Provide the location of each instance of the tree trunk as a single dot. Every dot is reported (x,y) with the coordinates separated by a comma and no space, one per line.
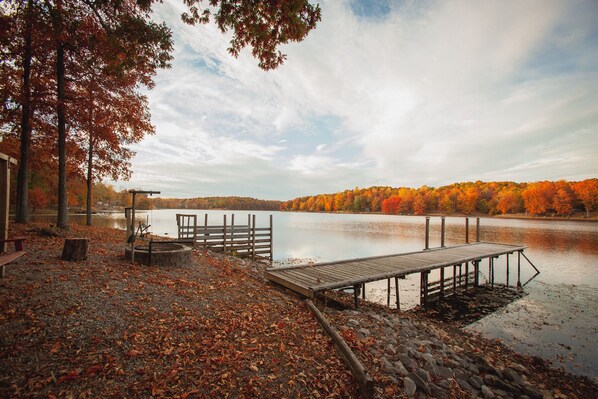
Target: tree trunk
(22,208)
(90,158)
(62,219)
(75,249)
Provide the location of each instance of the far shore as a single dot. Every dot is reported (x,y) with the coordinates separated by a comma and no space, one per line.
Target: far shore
(576,217)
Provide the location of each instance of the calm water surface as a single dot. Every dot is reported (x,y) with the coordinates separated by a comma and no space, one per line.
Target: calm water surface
(558,320)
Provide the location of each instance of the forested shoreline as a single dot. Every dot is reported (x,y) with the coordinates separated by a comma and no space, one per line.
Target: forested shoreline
(545,198)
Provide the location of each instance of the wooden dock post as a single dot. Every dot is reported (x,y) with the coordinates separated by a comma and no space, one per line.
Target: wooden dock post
(467,230)
(477,230)
(271,239)
(476,268)
(424,288)
(388,293)
(363,291)
(253,238)
(356,296)
(508,269)
(518,269)
(442,227)
(454,279)
(205,232)
(224,236)
(427,232)
(442,282)
(466,274)
(397,293)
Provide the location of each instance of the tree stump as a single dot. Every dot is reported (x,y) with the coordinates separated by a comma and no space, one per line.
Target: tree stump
(75,249)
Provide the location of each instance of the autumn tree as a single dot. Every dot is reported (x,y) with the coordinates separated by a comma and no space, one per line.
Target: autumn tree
(538,197)
(38,198)
(509,201)
(587,192)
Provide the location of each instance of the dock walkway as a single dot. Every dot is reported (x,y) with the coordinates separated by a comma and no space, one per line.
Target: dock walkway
(311,279)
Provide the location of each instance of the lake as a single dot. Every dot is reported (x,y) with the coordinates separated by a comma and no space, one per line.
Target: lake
(557,320)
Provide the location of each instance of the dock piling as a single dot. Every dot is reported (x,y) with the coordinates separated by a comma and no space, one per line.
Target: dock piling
(427,232)
(467,230)
(477,230)
(442,226)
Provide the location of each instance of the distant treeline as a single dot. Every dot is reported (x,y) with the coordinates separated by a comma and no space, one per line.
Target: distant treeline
(538,198)
(237,203)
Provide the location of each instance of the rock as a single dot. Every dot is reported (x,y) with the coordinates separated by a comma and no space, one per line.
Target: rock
(519,368)
(352,323)
(400,368)
(438,392)
(391,350)
(420,382)
(387,366)
(473,368)
(487,392)
(476,381)
(423,374)
(409,386)
(428,357)
(363,333)
(513,376)
(532,392)
(444,372)
(431,368)
(465,385)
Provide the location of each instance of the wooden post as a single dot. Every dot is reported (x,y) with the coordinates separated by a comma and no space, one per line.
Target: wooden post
(366,383)
(492,263)
(518,269)
(467,230)
(454,279)
(508,270)
(232,234)
(5,162)
(442,227)
(477,230)
(388,293)
(476,268)
(363,291)
(466,274)
(427,240)
(271,239)
(253,239)
(397,293)
(224,236)
(205,232)
(356,296)
(425,279)
(442,282)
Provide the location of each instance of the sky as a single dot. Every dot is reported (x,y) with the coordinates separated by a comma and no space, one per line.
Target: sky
(381,93)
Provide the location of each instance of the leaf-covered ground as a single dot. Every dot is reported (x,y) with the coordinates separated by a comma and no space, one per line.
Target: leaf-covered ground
(106,328)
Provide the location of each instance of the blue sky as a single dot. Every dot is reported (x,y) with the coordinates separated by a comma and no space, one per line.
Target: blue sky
(399,93)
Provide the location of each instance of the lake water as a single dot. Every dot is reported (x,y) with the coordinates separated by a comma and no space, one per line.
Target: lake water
(558,320)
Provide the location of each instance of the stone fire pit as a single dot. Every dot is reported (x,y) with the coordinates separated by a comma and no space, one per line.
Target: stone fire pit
(162,254)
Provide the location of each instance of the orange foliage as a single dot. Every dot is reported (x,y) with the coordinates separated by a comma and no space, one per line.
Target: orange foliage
(539,198)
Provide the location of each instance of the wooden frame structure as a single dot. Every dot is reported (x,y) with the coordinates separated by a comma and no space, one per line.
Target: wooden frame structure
(243,240)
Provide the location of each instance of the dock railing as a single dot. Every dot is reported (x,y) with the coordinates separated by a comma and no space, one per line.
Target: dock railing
(243,240)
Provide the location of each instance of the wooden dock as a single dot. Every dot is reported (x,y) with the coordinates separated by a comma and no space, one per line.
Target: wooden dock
(312,279)
(243,240)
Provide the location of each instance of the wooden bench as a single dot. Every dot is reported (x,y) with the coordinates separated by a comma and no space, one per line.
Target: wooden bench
(6,258)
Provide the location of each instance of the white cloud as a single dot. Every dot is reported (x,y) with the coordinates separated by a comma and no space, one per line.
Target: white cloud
(431,93)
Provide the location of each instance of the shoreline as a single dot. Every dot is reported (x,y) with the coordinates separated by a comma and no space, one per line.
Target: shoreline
(113,328)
